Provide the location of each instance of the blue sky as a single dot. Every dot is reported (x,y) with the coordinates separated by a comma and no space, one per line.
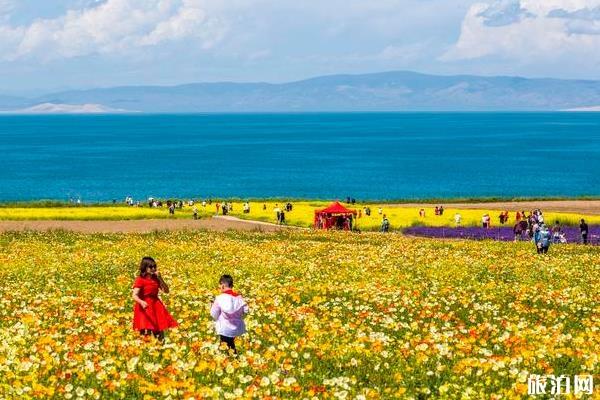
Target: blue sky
(67,44)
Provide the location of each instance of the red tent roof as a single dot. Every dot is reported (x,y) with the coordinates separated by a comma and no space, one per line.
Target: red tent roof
(336,208)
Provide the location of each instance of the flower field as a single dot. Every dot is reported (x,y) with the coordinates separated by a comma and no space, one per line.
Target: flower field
(302,214)
(82,213)
(332,315)
(504,233)
(399,216)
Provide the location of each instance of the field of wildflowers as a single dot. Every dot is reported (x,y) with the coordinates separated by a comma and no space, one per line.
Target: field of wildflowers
(83,213)
(572,234)
(333,315)
(302,214)
(399,216)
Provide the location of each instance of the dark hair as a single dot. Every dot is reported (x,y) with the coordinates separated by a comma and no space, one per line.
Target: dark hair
(147,262)
(226,280)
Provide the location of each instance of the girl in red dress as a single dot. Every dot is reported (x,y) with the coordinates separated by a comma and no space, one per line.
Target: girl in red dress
(150,315)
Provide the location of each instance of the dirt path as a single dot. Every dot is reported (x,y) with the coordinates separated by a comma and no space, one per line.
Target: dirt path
(141,226)
(589,207)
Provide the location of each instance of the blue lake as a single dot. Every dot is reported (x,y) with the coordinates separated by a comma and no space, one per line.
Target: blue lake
(366,156)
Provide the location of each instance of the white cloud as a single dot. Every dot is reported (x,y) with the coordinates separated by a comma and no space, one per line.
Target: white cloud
(112,26)
(504,12)
(583,27)
(190,20)
(584,21)
(538,38)
(583,13)
(6,8)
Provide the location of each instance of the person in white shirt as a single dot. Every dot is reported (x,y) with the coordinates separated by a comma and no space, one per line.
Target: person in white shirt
(485,221)
(457,219)
(228,312)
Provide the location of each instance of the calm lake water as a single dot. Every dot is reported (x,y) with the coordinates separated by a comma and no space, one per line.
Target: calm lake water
(366,156)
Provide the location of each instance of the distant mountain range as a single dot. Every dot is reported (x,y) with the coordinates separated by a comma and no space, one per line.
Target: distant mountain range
(51,108)
(387,91)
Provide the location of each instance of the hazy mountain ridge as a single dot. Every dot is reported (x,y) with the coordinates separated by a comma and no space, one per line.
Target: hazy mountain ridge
(387,91)
(53,108)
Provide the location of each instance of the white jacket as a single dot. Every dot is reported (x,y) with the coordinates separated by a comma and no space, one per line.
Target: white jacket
(228,311)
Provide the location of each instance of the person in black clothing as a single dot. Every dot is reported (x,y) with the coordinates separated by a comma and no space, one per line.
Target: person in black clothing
(583,228)
(530,227)
(281,217)
(520,228)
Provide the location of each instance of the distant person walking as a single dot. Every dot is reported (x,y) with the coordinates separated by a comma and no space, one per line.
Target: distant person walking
(556,232)
(519,229)
(281,218)
(542,239)
(457,219)
(195,211)
(150,315)
(583,229)
(228,311)
(277,212)
(385,224)
(485,221)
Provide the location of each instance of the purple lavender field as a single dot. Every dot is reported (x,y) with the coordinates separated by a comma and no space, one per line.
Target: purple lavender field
(503,233)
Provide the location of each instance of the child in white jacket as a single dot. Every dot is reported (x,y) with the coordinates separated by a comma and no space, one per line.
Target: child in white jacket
(228,311)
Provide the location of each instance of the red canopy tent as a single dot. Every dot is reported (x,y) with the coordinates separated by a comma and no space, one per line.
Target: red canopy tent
(335,216)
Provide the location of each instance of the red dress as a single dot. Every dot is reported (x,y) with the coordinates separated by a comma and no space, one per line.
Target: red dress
(155,317)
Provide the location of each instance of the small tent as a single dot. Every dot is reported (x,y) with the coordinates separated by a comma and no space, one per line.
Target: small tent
(335,216)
